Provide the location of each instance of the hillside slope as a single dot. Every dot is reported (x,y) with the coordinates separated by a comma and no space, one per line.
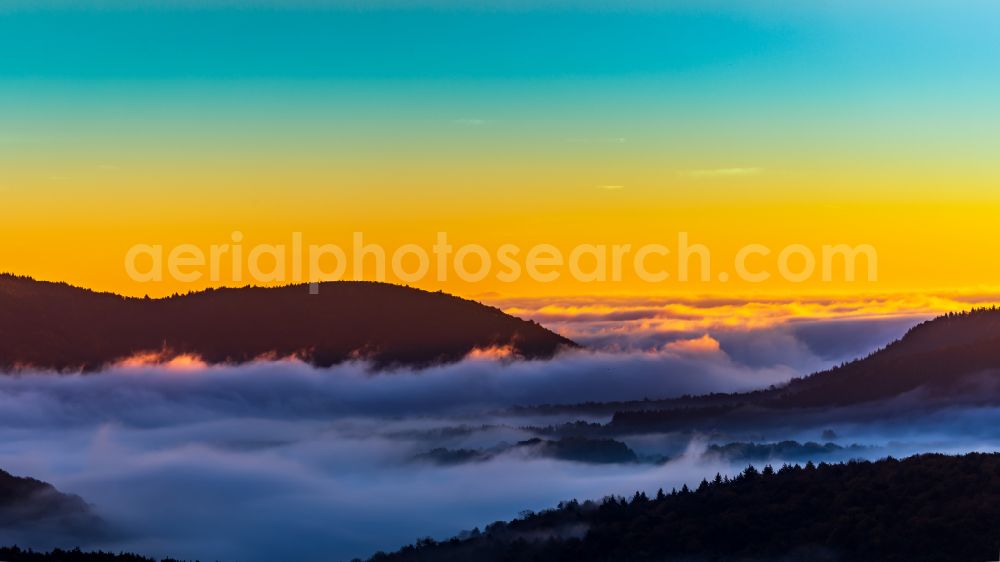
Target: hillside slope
(955,357)
(940,354)
(31,503)
(57,326)
(945,362)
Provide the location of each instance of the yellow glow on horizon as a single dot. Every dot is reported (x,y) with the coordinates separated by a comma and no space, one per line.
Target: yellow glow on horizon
(921,246)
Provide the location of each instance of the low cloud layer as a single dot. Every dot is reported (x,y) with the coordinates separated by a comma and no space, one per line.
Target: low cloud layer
(627,366)
(801,333)
(283,461)
(149,395)
(280,460)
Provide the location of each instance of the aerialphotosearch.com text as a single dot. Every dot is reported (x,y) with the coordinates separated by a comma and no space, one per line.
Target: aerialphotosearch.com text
(684,261)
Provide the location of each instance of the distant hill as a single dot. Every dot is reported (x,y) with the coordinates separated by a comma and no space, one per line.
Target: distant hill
(30,503)
(576,449)
(940,355)
(928,508)
(787,450)
(57,326)
(951,359)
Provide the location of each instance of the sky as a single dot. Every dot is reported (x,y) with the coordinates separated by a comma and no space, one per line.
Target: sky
(504,122)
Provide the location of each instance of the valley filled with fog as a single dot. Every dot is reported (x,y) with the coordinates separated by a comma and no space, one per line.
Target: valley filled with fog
(280,458)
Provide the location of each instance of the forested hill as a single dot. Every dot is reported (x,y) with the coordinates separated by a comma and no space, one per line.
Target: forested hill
(57,326)
(927,508)
(950,360)
(939,355)
(955,356)
(27,502)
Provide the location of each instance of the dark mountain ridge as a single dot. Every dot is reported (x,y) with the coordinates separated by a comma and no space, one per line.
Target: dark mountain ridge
(58,326)
(940,354)
(950,360)
(27,502)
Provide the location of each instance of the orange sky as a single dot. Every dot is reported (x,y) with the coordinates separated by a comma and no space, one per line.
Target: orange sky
(737,123)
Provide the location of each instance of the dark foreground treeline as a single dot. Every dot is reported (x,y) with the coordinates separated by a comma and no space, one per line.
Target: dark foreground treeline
(15,554)
(924,508)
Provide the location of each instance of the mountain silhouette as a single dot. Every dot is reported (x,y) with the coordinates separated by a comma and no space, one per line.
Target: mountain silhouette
(945,361)
(58,326)
(30,503)
(945,355)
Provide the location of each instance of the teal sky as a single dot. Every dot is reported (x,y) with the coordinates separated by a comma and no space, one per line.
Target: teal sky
(848,46)
(777,84)
(592,65)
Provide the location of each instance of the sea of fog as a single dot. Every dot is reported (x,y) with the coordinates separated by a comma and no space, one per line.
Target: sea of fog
(279,460)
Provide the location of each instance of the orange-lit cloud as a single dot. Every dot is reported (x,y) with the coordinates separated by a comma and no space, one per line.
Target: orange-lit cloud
(164,360)
(704,344)
(589,318)
(495,353)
